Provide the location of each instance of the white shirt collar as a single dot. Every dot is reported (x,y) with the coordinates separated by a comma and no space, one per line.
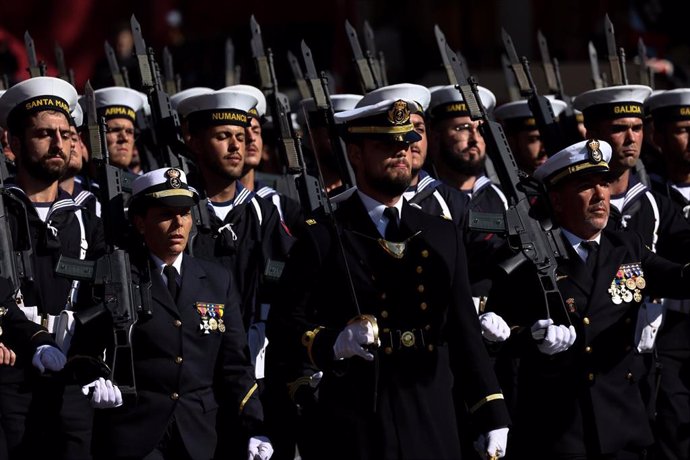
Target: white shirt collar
(575,241)
(161,265)
(375,210)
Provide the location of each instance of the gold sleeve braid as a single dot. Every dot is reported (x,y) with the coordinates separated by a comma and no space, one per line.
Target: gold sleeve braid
(491,397)
(247,396)
(308,341)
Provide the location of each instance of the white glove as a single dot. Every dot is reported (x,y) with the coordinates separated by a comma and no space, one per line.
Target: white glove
(649,320)
(105,394)
(315,379)
(493,444)
(260,448)
(494,328)
(556,338)
(350,340)
(48,357)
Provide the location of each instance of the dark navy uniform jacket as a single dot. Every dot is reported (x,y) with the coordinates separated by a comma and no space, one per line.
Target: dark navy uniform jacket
(400,405)
(249,237)
(585,400)
(181,372)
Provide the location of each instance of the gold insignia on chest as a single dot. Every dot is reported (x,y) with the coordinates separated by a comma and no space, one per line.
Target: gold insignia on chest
(628,284)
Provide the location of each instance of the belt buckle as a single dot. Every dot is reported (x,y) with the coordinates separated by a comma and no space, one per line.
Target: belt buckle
(408,339)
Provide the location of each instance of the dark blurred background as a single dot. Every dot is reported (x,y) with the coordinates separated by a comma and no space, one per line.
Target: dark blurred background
(195,31)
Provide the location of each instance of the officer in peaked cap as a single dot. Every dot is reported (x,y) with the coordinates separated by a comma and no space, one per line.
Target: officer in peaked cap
(617,114)
(192,340)
(37,113)
(522,133)
(579,387)
(245,233)
(410,289)
(119,107)
(670,112)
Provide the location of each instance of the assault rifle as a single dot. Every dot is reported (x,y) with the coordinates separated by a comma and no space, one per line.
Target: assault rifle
(367,76)
(232,71)
(166,131)
(311,195)
(532,238)
(15,256)
(318,87)
(36,68)
(376,60)
(112,272)
(118,74)
(63,72)
(552,72)
(549,129)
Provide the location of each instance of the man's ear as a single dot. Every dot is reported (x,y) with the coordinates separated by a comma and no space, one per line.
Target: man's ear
(15,144)
(194,145)
(138,221)
(354,154)
(555,200)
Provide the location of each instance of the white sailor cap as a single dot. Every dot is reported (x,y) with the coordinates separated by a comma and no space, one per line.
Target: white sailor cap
(386,120)
(671,105)
(35,95)
(223,107)
(584,157)
(178,97)
(118,102)
(404,91)
(260,109)
(78,115)
(447,102)
(613,102)
(340,102)
(162,187)
(516,115)
(145,106)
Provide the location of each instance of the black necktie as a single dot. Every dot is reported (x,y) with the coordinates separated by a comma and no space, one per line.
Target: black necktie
(592,248)
(393,227)
(171,275)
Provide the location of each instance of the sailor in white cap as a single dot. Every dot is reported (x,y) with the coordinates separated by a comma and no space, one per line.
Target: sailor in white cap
(192,346)
(458,152)
(119,107)
(71,181)
(522,133)
(579,387)
(410,283)
(178,97)
(246,234)
(670,112)
(37,114)
(252,179)
(615,114)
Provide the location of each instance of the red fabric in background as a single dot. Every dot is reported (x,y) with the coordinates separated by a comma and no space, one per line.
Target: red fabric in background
(80,27)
